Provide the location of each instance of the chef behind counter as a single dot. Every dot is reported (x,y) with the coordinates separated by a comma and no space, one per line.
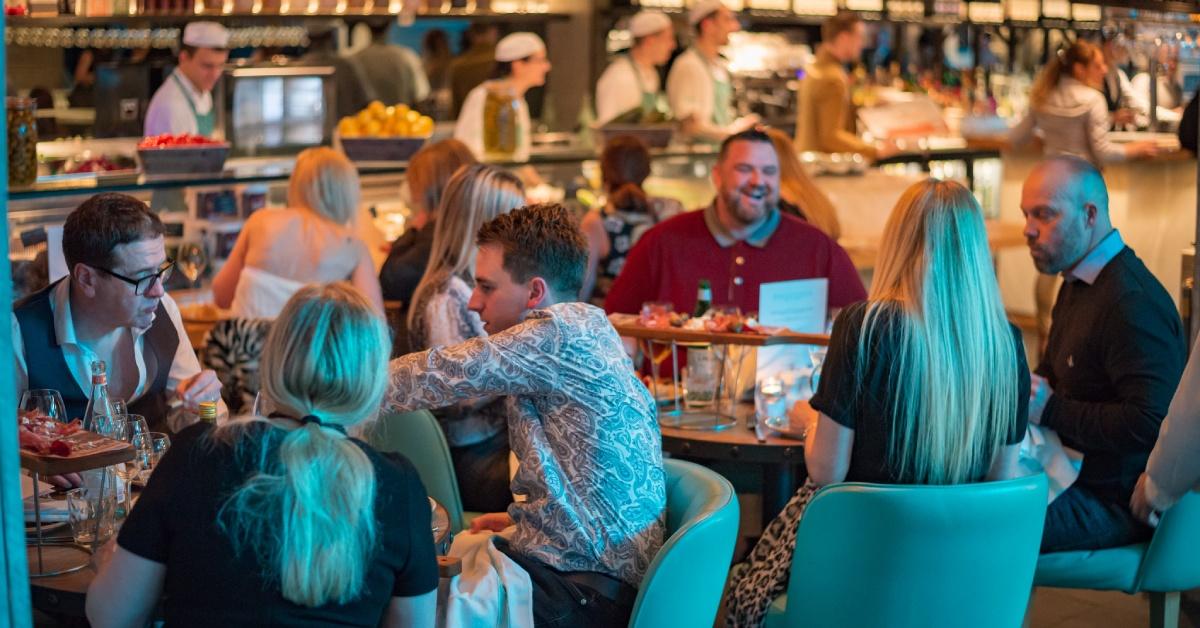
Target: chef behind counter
(631,81)
(184,102)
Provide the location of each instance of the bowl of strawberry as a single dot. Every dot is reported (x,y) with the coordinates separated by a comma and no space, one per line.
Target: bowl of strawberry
(182,153)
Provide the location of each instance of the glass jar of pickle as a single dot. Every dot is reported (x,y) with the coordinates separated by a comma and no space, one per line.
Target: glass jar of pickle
(22,141)
(500,128)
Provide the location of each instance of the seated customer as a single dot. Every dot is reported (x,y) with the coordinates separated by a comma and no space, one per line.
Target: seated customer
(955,415)
(1113,359)
(737,243)
(476,429)
(112,307)
(426,176)
(1174,468)
(581,424)
(627,213)
(311,241)
(286,520)
(798,195)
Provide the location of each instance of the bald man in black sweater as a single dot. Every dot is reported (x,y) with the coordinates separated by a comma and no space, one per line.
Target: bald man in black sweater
(1114,357)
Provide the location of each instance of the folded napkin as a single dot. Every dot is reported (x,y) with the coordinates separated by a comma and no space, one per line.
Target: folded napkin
(492,590)
(1042,450)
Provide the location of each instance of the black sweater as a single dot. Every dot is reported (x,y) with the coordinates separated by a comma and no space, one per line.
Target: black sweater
(1114,357)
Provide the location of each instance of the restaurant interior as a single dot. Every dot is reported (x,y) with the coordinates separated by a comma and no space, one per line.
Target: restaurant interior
(559,103)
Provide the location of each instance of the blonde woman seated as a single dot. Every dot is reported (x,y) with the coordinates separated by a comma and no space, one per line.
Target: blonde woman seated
(441,315)
(310,241)
(283,520)
(798,195)
(924,383)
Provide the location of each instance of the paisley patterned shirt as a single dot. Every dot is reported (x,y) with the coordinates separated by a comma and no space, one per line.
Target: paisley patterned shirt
(580,422)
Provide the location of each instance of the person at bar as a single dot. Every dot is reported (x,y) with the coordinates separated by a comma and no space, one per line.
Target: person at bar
(823,114)
(582,426)
(628,212)
(395,73)
(283,520)
(312,240)
(737,243)
(184,102)
(521,65)
(112,307)
(1117,90)
(477,429)
(699,86)
(631,81)
(1174,468)
(1113,360)
(954,413)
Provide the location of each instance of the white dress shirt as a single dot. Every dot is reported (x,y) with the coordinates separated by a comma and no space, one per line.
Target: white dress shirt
(169,111)
(690,86)
(79,356)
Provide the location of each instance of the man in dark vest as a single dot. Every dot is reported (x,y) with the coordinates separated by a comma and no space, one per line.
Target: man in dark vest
(1113,359)
(112,307)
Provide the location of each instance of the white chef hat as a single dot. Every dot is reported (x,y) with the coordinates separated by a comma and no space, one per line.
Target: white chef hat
(205,35)
(648,23)
(703,9)
(518,46)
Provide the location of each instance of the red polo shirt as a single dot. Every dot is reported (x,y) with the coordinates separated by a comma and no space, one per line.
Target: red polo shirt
(668,262)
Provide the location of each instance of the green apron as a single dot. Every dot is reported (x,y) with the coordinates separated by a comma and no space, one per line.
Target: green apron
(205,124)
(652,102)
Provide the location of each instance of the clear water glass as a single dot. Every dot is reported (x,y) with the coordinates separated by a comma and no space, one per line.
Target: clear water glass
(700,377)
(89,515)
(44,402)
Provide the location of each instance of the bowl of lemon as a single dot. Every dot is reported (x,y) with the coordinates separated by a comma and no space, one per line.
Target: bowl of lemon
(383,133)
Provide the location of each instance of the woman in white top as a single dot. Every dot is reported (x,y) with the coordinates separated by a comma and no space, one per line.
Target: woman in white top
(521,65)
(1068,108)
(476,430)
(310,241)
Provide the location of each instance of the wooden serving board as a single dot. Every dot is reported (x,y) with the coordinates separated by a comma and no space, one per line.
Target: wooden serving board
(109,453)
(627,326)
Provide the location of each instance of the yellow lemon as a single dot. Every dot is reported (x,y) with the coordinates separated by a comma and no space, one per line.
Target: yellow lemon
(412,115)
(376,108)
(422,127)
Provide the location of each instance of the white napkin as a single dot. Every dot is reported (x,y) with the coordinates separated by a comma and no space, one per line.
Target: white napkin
(1042,450)
(492,590)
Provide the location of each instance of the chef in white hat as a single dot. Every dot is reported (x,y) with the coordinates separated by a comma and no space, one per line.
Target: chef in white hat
(631,81)
(521,64)
(699,87)
(184,102)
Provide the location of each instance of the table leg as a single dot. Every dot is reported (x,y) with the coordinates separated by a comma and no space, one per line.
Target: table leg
(779,484)
(37,518)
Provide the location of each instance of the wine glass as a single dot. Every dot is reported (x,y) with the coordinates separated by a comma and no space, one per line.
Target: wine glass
(119,407)
(159,444)
(136,431)
(192,261)
(44,402)
(817,357)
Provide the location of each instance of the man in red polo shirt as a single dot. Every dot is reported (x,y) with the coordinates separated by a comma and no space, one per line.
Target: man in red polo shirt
(738,242)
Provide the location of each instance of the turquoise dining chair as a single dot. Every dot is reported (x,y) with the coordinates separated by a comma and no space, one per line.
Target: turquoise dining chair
(915,556)
(1162,567)
(419,438)
(683,585)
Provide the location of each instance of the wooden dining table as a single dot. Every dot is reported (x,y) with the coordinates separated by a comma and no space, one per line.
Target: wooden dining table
(66,595)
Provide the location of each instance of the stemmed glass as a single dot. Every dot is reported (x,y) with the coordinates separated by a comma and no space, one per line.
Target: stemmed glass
(817,357)
(44,402)
(151,453)
(135,431)
(192,261)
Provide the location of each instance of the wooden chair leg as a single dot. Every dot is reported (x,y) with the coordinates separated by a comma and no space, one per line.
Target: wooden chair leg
(1164,610)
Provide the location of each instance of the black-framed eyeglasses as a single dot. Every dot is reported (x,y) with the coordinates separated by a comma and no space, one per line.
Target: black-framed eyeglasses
(142,284)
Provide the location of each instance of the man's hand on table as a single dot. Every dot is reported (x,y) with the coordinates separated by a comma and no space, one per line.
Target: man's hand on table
(1039,394)
(203,386)
(493,521)
(65,482)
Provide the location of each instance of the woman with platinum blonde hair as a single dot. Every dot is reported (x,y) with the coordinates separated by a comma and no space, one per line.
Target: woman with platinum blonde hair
(477,431)
(311,241)
(924,383)
(284,520)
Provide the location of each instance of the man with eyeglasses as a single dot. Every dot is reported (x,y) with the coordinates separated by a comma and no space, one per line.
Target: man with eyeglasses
(112,307)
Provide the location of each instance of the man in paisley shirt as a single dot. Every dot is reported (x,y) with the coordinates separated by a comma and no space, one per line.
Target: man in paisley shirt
(581,424)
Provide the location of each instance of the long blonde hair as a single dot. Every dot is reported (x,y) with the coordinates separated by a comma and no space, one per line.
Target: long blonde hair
(954,393)
(326,183)
(1062,63)
(474,195)
(796,188)
(309,517)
